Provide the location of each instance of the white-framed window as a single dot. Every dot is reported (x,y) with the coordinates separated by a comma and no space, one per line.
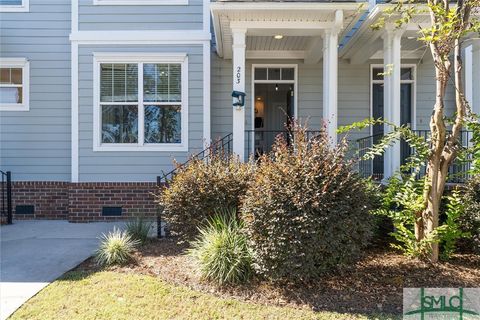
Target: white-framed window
(140,2)
(14,84)
(140,102)
(14,5)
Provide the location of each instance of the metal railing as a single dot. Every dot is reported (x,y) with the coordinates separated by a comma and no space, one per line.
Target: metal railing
(373,168)
(222,147)
(260,141)
(6,196)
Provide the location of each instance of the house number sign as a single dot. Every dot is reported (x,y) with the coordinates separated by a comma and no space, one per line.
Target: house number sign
(238,74)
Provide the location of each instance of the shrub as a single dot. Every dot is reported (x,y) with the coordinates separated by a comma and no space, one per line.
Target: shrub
(116,247)
(199,189)
(221,250)
(138,229)
(450,231)
(306,210)
(470,220)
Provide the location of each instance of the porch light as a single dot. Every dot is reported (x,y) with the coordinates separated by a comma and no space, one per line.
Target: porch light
(238,99)
(278,36)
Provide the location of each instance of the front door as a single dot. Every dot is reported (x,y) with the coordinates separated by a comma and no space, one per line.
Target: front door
(406,111)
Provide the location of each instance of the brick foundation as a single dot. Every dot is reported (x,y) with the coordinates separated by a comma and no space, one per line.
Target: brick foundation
(83,202)
(86,200)
(49,198)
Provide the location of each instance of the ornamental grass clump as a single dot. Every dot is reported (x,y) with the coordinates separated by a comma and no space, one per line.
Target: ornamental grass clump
(221,250)
(306,210)
(116,248)
(198,189)
(138,229)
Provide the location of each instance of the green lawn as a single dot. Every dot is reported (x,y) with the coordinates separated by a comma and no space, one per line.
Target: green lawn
(112,295)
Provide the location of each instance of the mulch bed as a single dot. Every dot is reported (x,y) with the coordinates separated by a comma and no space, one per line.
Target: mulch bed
(373,285)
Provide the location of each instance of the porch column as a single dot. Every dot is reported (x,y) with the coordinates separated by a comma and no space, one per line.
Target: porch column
(391,97)
(473,70)
(239,85)
(330,82)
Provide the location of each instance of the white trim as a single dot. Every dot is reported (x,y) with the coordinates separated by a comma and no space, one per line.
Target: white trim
(141,37)
(287,6)
(25,65)
(139,2)
(74,114)
(206,95)
(24,7)
(295,89)
(74,16)
(414,90)
(140,59)
(206,16)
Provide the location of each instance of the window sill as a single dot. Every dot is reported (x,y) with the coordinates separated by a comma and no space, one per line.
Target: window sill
(136,148)
(15,8)
(14,107)
(140,2)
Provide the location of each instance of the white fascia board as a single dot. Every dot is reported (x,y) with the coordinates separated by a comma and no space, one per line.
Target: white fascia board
(141,37)
(287,6)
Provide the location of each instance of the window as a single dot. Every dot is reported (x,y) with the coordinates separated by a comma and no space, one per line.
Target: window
(281,74)
(14,84)
(14,5)
(140,102)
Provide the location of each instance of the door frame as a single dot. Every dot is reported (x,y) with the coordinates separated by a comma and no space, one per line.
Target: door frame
(294,82)
(414,90)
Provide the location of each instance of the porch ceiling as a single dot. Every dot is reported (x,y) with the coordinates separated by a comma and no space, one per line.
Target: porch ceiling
(367,44)
(301,24)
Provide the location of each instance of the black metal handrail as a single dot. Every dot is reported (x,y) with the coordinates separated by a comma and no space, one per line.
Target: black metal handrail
(6,196)
(458,171)
(261,141)
(222,146)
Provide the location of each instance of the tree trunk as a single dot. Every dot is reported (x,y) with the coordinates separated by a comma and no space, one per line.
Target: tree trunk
(436,176)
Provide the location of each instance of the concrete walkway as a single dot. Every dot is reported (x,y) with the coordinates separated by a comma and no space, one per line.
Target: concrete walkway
(35,253)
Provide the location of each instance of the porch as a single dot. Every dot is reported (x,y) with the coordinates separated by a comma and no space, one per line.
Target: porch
(334,65)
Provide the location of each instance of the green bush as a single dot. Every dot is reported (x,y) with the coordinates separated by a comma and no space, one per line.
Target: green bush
(116,248)
(201,188)
(306,210)
(138,229)
(470,220)
(221,250)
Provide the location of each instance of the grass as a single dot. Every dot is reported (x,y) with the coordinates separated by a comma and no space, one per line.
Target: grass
(114,295)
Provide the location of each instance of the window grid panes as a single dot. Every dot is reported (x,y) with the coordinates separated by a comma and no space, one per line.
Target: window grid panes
(274,74)
(405,74)
(162,103)
(121,105)
(11,85)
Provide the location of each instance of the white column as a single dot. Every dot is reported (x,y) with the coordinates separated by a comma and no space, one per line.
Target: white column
(239,85)
(476,76)
(330,83)
(391,96)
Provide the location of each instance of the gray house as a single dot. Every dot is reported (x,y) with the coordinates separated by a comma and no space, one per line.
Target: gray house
(98,97)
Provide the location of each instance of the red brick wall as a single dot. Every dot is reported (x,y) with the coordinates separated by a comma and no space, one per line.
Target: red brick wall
(50,199)
(87,199)
(83,202)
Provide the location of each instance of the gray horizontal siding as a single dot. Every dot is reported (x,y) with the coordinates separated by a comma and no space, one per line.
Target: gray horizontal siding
(159,17)
(135,166)
(35,144)
(426,96)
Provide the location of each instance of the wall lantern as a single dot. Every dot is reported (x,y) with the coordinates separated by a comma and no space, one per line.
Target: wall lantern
(238,99)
